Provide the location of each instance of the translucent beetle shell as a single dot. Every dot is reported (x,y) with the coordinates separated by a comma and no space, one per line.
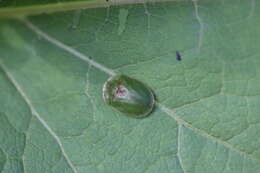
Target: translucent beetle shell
(129,96)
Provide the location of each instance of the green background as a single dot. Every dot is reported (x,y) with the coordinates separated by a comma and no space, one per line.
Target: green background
(215,89)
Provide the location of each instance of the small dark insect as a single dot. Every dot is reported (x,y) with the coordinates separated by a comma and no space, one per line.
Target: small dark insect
(107,0)
(178,56)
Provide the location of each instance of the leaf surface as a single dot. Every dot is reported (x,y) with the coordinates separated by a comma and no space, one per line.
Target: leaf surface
(53,118)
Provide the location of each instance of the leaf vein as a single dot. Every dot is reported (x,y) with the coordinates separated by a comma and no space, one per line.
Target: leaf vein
(195,2)
(202,132)
(36,114)
(179,148)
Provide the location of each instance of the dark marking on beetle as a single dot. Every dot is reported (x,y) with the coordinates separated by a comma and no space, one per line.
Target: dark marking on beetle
(178,56)
(121,91)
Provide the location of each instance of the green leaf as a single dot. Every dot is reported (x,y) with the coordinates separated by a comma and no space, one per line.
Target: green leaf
(53,67)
